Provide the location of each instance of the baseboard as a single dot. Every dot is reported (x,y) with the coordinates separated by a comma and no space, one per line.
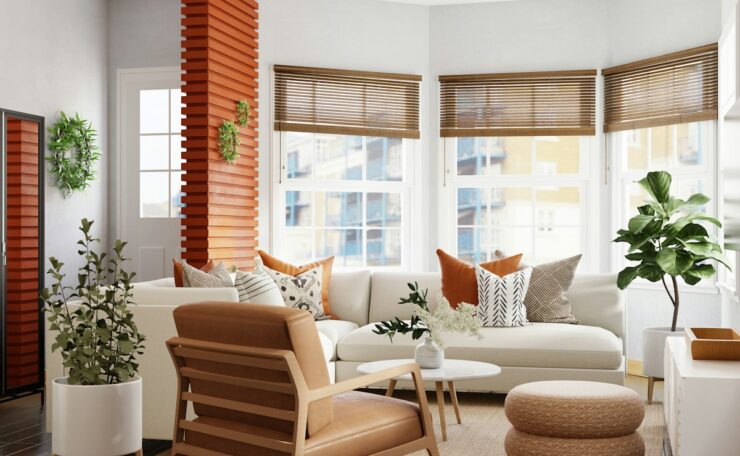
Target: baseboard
(634,367)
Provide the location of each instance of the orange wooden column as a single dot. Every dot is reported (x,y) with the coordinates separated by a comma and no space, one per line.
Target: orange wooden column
(219,63)
(22,268)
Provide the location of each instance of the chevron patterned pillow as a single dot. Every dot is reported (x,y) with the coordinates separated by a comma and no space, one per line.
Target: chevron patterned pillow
(501,299)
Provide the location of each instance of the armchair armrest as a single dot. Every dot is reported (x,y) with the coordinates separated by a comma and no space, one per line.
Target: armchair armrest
(365,380)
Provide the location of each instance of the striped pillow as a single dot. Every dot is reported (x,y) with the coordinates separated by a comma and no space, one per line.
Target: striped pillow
(258,288)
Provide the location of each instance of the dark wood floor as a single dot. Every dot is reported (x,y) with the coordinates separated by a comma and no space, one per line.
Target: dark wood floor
(23,430)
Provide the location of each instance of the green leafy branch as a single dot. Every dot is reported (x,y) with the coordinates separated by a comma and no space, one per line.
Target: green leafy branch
(390,328)
(242,112)
(228,141)
(75,172)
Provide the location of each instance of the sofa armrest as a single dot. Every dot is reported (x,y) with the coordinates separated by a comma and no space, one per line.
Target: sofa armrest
(171,296)
(596,301)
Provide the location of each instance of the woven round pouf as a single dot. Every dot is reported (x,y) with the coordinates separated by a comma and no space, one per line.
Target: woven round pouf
(574,417)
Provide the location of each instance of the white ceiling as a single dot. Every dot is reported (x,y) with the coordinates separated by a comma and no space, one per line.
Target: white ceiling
(445,2)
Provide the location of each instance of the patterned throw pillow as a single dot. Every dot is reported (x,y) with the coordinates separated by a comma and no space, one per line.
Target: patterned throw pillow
(501,299)
(215,278)
(302,291)
(257,287)
(546,301)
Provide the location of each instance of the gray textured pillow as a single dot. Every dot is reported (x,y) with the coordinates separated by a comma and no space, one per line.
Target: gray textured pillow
(215,278)
(545,300)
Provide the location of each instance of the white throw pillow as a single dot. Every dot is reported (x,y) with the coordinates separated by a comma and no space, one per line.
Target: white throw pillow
(257,287)
(215,278)
(501,299)
(302,291)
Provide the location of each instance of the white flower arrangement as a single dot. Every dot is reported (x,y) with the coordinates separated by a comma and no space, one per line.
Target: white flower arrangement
(444,318)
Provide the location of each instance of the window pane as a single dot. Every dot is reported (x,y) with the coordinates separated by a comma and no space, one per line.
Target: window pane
(344,245)
(298,244)
(154,111)
(471,206)
(472,244)
(557,206)
(298,208)
(513,156)
(299,153)
(511,206)
(176,150)
(154,152)
(553,243)
(512,241)
(385,159)
(383,209)
(338,157)
(383,247)
(338,209)
(635,148)
(176,194)
(661,147)
(471,158)
(175,111)
(690,143)
(154,196)
(557,155)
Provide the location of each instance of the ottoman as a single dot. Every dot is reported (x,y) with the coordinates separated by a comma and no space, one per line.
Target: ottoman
(573,418)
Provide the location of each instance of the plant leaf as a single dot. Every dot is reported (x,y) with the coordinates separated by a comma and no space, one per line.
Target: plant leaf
(626,276)
(673,261)
(658,185)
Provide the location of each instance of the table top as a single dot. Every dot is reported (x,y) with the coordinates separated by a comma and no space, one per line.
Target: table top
(451,370)
(695,368)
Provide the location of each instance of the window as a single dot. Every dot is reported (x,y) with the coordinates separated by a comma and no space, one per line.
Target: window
(346,196)
(685,150)
(525,194)
(160,149)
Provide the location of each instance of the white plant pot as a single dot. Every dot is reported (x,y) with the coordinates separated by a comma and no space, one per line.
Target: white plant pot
(653,346)
(96,420)
(429,355)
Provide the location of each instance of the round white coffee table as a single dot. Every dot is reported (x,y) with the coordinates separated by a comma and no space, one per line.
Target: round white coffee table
(451,371)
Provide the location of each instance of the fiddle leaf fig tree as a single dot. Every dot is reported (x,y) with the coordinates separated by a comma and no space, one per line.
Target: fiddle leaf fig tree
(667,238)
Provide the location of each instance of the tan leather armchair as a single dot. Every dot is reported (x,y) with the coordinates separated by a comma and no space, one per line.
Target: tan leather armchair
(258,383)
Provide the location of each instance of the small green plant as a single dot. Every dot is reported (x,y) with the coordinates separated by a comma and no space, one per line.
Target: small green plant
(72,173)
(393,327)
(242,112)
(665,238)
(228,141)
(99,340)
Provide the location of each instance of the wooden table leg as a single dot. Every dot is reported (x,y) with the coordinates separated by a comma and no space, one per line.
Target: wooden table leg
(441,404)
(453,398)
(651,384)
(391,388)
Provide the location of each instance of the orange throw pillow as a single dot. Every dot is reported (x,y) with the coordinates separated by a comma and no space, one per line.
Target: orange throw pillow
(459,283)
(287,268)
(179,272)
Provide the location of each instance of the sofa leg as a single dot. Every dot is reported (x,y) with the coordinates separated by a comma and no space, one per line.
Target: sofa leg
(651,384)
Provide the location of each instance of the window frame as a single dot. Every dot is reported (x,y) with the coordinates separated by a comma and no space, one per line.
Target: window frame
(586,180)
(407,188)
(620,177)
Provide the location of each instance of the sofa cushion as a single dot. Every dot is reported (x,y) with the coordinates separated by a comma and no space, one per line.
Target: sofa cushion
(334,331)
(541,345)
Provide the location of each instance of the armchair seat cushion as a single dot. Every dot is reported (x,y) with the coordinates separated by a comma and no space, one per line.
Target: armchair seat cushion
(363,424)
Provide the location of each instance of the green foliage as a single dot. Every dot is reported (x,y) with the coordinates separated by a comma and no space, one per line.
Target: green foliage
(99,340)
(242,112)
(666,238)
(72,174)
(398,326)
(228,141)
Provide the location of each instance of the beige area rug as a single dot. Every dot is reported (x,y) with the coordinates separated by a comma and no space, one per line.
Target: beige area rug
(484,424)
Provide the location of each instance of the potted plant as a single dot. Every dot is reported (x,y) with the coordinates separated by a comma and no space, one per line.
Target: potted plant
(97,407)
(431,324)
(668,241)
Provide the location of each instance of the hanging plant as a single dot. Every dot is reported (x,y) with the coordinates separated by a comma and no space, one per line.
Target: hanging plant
(228,141)
(242,112)
(72,172)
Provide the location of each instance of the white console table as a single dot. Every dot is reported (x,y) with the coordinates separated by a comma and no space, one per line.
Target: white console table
(701,403)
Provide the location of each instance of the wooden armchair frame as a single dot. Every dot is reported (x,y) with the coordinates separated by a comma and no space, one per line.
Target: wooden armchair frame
(277,360)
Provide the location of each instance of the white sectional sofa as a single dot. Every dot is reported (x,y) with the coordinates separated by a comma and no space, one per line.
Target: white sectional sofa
(593,350)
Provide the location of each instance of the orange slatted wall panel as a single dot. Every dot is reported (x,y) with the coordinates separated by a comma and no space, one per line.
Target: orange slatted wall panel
(22,302)
(219,63)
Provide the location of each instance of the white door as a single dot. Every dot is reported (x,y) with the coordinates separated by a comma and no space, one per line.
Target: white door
(149,162)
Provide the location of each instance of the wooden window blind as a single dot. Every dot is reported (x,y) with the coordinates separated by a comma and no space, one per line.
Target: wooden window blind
(321,100)
(518,104)
(675,88)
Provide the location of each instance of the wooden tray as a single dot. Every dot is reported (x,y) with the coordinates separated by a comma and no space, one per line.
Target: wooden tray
(714,343)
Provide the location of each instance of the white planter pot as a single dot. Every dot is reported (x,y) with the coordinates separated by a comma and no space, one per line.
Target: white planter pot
(429,355)
(96,420)
(653,346)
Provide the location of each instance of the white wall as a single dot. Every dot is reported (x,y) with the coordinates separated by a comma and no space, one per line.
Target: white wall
(54,58)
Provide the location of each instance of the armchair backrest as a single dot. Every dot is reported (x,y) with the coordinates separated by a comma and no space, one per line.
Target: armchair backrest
(259,327)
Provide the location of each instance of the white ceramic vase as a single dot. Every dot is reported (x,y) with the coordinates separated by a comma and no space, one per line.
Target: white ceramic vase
(653,346)
(429,355)
(96,420)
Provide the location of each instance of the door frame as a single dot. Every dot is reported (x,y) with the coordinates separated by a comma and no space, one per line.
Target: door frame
(125,77)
